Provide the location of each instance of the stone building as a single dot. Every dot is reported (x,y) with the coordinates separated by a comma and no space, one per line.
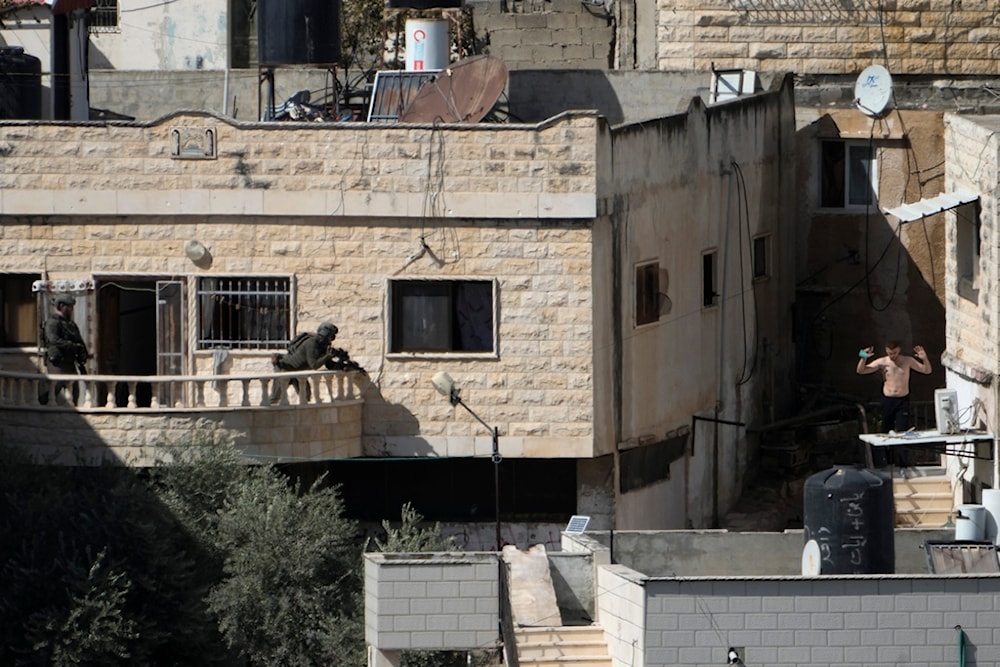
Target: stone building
(608,298)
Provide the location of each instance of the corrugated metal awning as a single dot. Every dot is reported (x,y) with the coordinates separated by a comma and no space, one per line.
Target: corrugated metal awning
(58,6)
(927,207)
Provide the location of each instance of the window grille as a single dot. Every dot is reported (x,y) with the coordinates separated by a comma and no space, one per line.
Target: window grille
(104,16)
(244,312)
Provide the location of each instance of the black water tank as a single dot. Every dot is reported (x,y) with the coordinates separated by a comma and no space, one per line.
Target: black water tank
(20,84)
(423,4)
(298,32)
(849,512)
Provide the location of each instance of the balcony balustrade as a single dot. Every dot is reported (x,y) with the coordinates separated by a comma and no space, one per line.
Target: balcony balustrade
(96,419)
(161,393)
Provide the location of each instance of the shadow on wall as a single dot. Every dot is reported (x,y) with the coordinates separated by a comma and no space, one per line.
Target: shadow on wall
(539,94)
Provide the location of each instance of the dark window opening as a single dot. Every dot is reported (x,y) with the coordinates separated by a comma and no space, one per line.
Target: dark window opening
(709,291)
(647,293)
(18,310)
(847,174)
(442,316)
(760,257)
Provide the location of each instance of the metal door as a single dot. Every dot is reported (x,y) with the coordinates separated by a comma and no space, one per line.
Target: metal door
(170,338)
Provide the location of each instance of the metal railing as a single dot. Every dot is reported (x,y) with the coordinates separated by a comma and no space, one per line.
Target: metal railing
(508,640)
(175,392)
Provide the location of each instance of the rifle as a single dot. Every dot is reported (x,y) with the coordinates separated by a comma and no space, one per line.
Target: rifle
(340,360)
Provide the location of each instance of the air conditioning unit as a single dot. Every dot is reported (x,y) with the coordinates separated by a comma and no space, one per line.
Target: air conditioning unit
(946,411)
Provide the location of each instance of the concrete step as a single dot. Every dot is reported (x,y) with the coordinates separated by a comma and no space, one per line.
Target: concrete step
(562,646)
(923,498)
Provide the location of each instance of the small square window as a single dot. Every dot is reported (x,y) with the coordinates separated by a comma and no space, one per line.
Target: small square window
(761,257)
(442,316)
(647,293)
(848,174)
(709,286)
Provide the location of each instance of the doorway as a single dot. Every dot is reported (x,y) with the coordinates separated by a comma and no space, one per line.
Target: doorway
(140,332)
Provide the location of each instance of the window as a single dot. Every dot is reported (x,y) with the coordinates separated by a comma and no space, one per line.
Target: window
(104,16)
(968,245)
(442,316)
(761,245)
(18,310)
(848,174)
(709,291)
(244,313)
(647,293)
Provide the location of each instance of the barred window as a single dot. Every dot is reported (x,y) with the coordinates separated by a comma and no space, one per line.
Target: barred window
(243,313)
(104,16)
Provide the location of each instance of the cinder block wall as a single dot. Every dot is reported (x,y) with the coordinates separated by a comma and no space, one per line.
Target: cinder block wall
(555,34)
(438,601)
(785,621)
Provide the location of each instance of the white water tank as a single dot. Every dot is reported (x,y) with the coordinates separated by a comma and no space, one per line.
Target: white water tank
(427,44)
(970,523)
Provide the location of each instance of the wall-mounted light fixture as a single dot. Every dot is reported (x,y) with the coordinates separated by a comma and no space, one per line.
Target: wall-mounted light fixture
(446,387)
(195,251)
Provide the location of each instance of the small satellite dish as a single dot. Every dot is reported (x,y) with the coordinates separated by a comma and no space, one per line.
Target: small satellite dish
(577,524)
(873,91)
(811,559)
(463,93)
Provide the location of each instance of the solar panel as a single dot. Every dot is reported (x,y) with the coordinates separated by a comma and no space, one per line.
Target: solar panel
(577,524)
(392,91)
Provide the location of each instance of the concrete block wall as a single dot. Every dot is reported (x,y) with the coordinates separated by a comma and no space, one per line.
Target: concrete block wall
(431,601)
(921,36)
(621,612)
(556,34)
(827,621)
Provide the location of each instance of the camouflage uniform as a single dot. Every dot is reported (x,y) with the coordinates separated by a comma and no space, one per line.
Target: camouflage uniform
(65,351)
(309,355)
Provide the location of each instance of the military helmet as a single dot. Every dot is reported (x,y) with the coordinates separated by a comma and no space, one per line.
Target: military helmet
(67,299)
(327,330)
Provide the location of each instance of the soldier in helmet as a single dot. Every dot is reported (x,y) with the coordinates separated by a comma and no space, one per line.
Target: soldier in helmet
(65,351)
(306,352)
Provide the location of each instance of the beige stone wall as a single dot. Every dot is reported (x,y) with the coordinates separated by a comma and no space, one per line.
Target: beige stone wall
(973,163)
(484,170)
(830,37)
(538,391)
(309,433)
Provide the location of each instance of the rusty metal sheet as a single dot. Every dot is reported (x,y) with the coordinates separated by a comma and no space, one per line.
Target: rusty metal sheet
(463,93)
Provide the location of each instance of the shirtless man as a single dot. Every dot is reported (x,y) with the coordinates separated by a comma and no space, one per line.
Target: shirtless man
(895,368)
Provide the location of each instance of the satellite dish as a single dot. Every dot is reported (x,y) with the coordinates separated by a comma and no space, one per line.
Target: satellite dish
(811,559)
(873,91)
(463,93)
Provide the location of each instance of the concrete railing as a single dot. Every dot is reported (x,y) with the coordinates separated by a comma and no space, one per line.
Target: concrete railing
(162,393)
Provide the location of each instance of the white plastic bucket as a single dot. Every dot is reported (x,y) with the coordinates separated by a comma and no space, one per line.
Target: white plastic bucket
(970,523)
(427,44)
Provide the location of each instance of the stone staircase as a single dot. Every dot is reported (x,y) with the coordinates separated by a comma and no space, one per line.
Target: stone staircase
(562,646)
(923,498)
